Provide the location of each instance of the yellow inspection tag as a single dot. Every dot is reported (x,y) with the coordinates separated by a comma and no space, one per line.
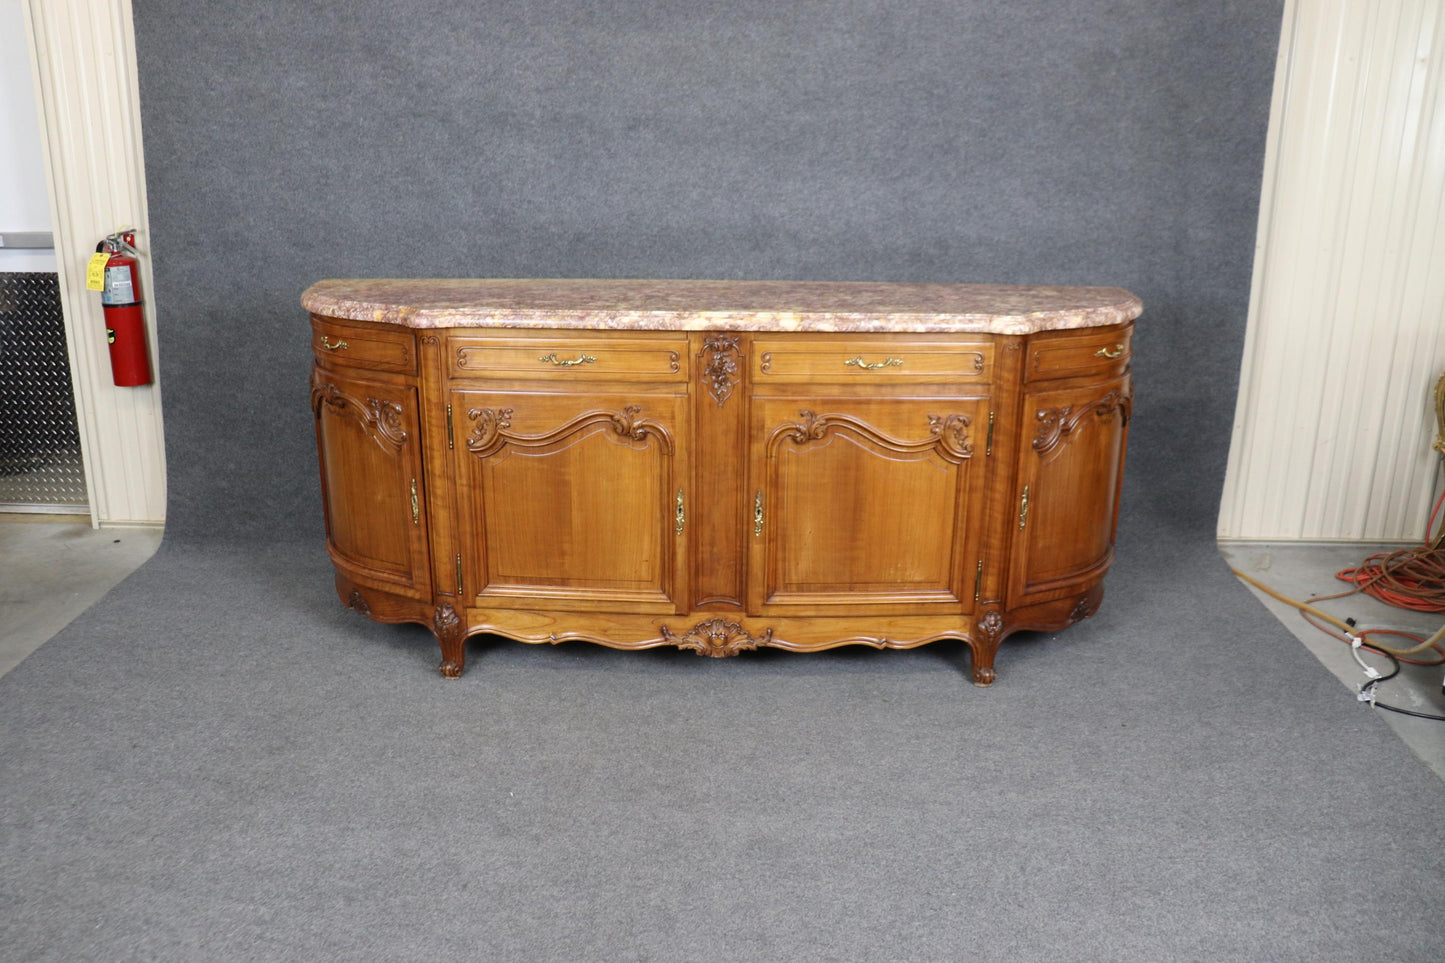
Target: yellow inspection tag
(95,272)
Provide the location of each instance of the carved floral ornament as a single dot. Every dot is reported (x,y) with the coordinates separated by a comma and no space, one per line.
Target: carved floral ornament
(723,361)
(717,638)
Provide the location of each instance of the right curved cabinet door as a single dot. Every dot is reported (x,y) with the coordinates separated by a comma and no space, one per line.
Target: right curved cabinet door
(1066,499)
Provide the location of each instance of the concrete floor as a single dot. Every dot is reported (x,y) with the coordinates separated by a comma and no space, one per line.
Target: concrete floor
(53,568)
(1301,570)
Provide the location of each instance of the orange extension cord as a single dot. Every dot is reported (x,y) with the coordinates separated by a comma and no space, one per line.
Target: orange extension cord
(1411,578)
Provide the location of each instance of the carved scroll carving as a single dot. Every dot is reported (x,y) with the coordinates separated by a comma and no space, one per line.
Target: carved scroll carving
(717,638)
(1057,424)
(493,429)
(724,360)
(491,422)
(948,434)
(380,419)
(952,433)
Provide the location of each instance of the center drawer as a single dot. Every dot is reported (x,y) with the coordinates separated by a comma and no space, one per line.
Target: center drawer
(866,359)
(589,357)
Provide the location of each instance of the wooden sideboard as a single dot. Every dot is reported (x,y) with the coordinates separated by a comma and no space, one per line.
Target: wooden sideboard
(720,466)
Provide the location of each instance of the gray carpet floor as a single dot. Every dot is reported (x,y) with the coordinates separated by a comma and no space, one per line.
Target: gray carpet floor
(219,762)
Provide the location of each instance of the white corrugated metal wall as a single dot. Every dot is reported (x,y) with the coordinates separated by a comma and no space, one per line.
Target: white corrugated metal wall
(85,77)
(1347,316)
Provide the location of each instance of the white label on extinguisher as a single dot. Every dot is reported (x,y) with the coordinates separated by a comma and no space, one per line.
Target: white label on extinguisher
(118,289)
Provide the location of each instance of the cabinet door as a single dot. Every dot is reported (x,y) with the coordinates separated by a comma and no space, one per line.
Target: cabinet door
(1067,498)
(370,450)
(865,504)
(572,500)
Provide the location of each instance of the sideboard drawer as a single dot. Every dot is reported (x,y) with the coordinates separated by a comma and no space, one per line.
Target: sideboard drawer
(658,358)
(1070,354)
(372,346)
(870,360)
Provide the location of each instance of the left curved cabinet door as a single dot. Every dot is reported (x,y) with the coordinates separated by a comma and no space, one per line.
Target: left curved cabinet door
(368,441)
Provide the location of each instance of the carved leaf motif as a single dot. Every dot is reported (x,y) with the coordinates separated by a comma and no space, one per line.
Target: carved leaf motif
(446,622)
(1056,424)
(992,624)
(490,422)
(628,425)
(717,638)
(1051,425)
(724,359)
(387,417)
(952,431)
(811,428)
(380,419)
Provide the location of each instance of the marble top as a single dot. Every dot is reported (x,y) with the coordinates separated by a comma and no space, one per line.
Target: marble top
(719,305)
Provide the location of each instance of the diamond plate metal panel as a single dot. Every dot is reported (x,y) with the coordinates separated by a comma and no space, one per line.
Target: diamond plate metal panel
(40,466)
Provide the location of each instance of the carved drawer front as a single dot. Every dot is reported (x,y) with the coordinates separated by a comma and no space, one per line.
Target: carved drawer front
(864,359)
(368,346)
(659,357)
(1070,354)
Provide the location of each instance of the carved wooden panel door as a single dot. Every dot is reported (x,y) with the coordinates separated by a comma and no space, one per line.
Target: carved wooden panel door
(850,496)
(578,499)
(371,478)
(1068,488)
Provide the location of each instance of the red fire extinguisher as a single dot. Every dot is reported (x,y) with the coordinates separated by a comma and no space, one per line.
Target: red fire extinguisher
(120,299)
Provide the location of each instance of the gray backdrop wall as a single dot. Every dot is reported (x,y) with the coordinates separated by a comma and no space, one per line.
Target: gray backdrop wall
(221,762)
(1036,141)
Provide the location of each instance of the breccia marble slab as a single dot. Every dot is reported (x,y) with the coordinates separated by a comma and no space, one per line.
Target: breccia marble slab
(677,305)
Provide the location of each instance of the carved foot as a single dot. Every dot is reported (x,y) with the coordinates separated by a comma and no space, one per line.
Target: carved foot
(983,676)
(446,625)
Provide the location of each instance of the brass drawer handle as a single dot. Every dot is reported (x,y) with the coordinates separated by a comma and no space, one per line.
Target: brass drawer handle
(885,363)
(580,359)
(1110,353)
(338,346)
